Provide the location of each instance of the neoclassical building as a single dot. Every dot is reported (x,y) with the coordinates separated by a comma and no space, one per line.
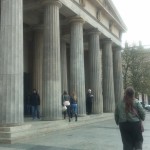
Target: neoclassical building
(57,45)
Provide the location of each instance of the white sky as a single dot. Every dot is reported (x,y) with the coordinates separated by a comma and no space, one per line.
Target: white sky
(136,16)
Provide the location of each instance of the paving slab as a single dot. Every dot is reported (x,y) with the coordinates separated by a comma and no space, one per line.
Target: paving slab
(100,135)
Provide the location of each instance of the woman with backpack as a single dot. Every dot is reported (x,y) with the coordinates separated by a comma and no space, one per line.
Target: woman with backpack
(129,115)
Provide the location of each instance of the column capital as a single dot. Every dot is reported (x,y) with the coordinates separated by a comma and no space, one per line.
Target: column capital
(76,19)
(51,2)
(94,31)
(106,40)
(117,48)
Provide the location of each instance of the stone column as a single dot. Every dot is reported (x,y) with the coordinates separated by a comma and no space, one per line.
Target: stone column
(108,80)
(117,69)
(64,76)
(38,61)
(11,63)
(95,71)
(86,68)
(51,63)
(77,78)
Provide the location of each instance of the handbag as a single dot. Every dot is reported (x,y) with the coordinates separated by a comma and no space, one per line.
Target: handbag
(141,123)
(66,103)
(64,108)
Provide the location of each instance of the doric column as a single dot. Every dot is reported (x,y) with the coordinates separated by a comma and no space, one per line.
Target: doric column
(51,62)
(108,80)
(86,68)
(38,61)
(11,63)
(94,71)
(64,76)
(117,69)
(77,78)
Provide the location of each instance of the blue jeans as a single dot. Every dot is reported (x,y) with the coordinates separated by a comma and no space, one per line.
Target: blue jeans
(74,108)
(34,111)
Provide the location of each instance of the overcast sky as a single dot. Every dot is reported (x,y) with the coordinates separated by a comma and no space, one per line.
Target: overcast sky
(136,16)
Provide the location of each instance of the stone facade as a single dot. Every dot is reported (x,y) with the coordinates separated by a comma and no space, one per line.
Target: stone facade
(63,42)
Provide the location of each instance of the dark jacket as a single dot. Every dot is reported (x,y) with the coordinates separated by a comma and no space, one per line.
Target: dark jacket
(65,98)
(89,98)
(34,99)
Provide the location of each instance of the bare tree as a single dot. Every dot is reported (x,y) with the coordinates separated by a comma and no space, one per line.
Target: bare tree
(136,70)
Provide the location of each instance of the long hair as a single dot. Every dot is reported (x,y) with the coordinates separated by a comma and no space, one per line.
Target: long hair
(128,99)
(74,96)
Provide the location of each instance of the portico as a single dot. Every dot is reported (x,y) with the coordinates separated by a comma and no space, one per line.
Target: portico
(83,55)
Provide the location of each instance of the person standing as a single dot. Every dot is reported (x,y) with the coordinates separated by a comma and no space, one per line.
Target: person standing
(74,106)
(66,102)
(35,104)
(89,101)
(128,115)
(38,106)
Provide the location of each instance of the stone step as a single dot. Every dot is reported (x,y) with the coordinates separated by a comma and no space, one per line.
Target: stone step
(36,128)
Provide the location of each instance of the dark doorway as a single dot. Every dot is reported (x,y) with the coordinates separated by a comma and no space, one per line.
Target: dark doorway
(27,92)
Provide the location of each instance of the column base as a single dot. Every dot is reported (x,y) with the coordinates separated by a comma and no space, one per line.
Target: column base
(10,135)
(82,115)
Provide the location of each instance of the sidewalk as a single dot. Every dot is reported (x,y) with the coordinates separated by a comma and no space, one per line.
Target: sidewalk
(37,127)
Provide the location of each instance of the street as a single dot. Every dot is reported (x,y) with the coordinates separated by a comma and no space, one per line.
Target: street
(97,136)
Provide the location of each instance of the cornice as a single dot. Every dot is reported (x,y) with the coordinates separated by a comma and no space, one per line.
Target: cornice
(117,13)
(118,20)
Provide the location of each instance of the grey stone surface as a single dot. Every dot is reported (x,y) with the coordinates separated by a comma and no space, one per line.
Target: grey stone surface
(77,76)
(86,68)
(11,63)
(64,75)
(108,80)
(91,20)
(95,71)
(51,62)
(118,76)
(100,135)
(31,129)
(38,61)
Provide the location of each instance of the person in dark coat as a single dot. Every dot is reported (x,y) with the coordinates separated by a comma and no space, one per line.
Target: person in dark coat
(128,115)
(35,104)
(89,101)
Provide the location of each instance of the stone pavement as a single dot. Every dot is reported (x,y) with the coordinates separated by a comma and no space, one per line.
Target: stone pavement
(37,128)
(97,135)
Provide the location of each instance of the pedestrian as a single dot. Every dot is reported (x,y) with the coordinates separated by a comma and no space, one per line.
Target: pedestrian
(128,115)
(74,106)
(66,102)
(38,106)
(35,104)
(89,101)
